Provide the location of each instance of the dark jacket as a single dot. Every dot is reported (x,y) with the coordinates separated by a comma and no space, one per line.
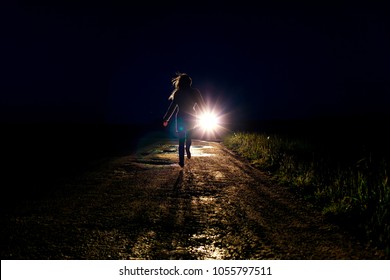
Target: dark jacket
(185,103)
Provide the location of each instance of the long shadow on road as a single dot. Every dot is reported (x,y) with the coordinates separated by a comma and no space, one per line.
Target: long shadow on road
(144,206)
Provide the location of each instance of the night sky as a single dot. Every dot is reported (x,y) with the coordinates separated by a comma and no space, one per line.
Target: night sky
(95,62)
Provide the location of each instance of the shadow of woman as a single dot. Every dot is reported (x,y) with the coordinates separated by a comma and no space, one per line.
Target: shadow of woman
(179,180)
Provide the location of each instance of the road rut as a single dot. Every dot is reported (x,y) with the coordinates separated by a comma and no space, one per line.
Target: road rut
(145,206)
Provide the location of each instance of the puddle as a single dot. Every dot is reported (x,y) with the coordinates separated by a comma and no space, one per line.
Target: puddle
(201,147)
(170,149)
(198,151)
(208,245)
(211,245)
(155,161)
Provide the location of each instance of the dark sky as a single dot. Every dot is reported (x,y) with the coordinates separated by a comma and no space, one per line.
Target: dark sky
(88,61)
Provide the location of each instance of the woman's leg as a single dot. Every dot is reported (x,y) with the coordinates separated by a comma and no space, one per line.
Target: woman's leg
(182,137)
(188,143)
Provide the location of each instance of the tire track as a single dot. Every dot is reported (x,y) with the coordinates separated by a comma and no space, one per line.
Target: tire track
(144,206)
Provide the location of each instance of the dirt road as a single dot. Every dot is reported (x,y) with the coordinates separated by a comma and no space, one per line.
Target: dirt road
(144,206)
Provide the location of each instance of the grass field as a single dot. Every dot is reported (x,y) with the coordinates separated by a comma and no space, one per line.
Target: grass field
(345,174)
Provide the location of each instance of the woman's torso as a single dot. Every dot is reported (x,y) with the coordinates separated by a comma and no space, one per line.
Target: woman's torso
(186,100)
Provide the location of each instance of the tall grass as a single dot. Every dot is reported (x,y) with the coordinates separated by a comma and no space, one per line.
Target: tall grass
(350,188)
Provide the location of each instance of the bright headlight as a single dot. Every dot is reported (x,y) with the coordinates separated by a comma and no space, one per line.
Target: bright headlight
(208,121)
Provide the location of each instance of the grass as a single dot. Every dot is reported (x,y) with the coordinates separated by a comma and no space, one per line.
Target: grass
(349,184)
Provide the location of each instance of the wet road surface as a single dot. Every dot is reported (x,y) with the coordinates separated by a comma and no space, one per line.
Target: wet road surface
(145,206)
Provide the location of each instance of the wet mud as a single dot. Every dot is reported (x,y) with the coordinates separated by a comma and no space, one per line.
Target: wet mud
(145,206)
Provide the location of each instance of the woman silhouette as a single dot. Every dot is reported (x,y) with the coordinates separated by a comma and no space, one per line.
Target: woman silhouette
(185,100)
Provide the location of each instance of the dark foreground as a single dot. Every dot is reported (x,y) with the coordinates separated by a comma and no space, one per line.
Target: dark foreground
(35,157)
(142,205)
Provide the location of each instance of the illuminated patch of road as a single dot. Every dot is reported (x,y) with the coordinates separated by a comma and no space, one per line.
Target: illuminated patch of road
(160,156)
(211,248)
(199,151)
(207,241)
(144,206)
(218,175)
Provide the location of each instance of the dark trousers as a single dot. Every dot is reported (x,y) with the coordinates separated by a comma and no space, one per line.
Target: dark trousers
(184,138)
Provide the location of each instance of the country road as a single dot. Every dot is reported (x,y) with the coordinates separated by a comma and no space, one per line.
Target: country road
(144,206)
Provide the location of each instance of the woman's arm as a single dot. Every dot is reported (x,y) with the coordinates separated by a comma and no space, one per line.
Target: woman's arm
(199,101)
(171,109)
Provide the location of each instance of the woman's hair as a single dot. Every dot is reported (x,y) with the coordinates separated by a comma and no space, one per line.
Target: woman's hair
(181,81)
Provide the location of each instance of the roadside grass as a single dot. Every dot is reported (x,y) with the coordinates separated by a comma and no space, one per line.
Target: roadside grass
(351,187)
